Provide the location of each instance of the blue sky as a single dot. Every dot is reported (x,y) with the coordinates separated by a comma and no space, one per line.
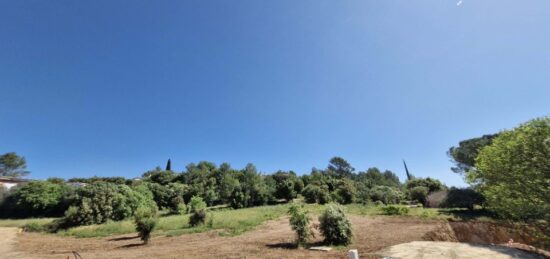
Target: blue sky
(117,87)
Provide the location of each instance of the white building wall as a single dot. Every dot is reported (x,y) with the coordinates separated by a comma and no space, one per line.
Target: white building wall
(8,185)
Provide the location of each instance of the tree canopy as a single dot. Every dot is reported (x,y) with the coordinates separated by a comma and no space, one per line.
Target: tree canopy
(465,154)
(12,165)
(513,173)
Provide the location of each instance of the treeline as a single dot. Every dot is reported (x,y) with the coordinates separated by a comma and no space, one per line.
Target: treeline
(216,185)
(508,172)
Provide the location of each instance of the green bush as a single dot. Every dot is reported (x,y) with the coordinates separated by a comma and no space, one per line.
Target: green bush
(98,202)
(394,210)
(145,219)
(419,194)
(177,205)
(335,226)
(299,221)
(345,192)
(196,204)
(198,217)
(378,203)
(433,185)
(34,227)
(316,194)
(197,208)
(385,194)
(37,199)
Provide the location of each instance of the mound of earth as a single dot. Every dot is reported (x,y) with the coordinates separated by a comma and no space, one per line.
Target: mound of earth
(452,250)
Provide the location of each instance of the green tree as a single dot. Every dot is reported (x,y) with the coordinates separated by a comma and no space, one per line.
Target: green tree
(419,194)
(314,193)
(345,192)
(299,221)
(12,165)
(464,156)
(385,194)
(285,185)
(433,185)
(340,168)
(513,173)
(37,198)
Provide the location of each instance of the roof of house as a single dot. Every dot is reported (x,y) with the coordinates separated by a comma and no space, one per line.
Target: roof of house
(12,179)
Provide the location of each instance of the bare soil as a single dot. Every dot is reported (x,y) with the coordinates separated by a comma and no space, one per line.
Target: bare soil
(271,240)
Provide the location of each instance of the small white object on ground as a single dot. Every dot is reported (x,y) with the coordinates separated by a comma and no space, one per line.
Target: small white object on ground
(353,254)
(320,248)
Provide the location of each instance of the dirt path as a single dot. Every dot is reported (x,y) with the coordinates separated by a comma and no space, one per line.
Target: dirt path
(7,242)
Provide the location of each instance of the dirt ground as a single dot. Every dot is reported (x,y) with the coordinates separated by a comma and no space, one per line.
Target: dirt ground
(271,240)
(7,240)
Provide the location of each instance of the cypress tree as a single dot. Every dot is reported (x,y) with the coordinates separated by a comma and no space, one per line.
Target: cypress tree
(169,165)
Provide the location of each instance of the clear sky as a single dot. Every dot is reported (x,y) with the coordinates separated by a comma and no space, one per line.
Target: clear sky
(114,88)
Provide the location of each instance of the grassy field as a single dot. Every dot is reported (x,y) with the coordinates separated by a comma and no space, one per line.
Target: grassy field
(22,222)
(229,221)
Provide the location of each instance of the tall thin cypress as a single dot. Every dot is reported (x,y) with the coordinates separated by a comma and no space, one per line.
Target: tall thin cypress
(409,176)
(169,165)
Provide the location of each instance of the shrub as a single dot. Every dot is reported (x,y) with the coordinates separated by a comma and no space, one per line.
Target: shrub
(197,208)
(37,199)
(196,204)
(316,194)
(177,206)
(385,194)
(34,227)
(433,185)
(210,223)
(345,192)
(98,202)
(378,203)
(419,194)
(395,210)
(335,226)
(197,217)
(161,194)
(299,221)
(462,198)
(145,220)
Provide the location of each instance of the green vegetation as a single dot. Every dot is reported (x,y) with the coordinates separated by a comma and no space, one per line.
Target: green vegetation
(22,222)
(197,208)
(299,221)
(37,199)
(335,226)
(513,173)
(394,210)
(509,173)
(145,219)
(233,222)
(12,165)
(99,202)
